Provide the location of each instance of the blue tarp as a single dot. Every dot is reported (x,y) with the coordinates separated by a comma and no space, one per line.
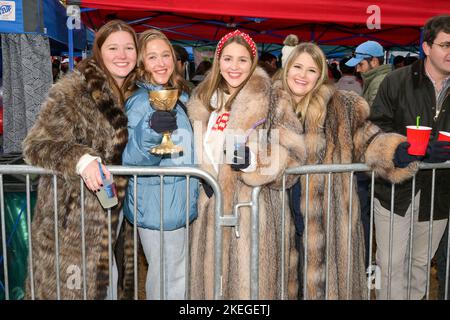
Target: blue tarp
(54,20)
(11,17)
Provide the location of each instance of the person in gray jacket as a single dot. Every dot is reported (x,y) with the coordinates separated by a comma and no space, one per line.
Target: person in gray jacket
(348,81)
(156,71)
(368,59)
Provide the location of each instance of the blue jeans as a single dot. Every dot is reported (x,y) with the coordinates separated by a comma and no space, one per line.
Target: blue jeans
(363,181)
(174,263)
(295,194)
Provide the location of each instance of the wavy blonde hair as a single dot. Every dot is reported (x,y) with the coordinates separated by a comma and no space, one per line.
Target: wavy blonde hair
(176,80)
(215,81)
(302,108)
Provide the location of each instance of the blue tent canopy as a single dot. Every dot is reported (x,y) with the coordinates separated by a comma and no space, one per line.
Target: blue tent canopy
(46,17)
(11,17)
(32,30)
(55,19)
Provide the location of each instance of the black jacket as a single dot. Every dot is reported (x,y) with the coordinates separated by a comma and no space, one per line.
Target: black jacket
(403,95)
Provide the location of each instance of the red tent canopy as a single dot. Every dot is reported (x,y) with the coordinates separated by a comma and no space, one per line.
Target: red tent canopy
(324,21)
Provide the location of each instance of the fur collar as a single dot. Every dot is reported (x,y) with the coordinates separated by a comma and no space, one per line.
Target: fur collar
(99,89)
(250,105)
(318,103)
(246,109)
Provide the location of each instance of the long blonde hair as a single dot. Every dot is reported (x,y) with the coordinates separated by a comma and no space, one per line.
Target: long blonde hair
(176,80)
(302,107)
(216,81)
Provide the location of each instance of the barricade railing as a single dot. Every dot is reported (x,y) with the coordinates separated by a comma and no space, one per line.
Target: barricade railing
(223,220)
(233,221)
(352,168)
(188,172)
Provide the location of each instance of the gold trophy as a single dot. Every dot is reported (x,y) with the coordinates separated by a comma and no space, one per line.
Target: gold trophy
(164,100)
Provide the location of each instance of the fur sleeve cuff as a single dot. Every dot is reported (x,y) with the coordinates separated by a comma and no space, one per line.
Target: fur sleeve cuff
(84,161)
(379,155)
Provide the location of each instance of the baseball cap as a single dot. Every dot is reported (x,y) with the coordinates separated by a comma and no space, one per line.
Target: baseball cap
(365,50)
(65,60)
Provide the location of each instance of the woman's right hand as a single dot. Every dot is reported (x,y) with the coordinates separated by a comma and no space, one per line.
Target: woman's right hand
(91,176)
(163,121)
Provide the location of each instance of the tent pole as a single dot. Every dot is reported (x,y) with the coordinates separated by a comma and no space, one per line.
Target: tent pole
(70,33)
(421,55)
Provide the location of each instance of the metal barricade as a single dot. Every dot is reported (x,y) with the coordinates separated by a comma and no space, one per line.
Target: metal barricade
(352,168)
(373,271)
(188,172)
(221,220)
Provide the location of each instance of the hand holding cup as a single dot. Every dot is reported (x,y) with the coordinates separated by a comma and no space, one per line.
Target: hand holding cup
(418,137)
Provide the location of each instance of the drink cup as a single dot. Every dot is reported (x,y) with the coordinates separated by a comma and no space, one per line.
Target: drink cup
(234,142)
(239,146)
(240,155)
(444,136)
(418,138)
(107,194)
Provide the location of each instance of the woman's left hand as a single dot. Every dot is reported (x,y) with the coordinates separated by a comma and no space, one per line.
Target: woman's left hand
(91,176)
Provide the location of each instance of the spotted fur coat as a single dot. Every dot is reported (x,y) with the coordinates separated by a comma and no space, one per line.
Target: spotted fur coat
(79,116)
(345,137)
(250,106)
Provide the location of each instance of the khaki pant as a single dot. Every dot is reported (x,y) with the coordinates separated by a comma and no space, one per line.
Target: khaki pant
(400,251)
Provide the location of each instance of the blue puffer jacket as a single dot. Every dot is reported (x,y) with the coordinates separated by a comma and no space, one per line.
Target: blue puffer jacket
(141,139)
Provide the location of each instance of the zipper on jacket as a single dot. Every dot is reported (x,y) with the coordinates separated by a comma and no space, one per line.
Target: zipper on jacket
(436,115)
(442,108)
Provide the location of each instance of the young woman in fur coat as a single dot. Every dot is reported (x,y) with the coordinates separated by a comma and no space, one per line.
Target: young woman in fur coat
(336,131)
(232,101)
(81,123)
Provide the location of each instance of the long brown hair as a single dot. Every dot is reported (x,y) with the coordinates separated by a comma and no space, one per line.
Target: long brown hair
(100,37)
(216,81)
(176,80)
(301,108)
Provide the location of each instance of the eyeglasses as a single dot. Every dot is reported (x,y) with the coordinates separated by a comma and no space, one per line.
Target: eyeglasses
(354,53)
(443,45)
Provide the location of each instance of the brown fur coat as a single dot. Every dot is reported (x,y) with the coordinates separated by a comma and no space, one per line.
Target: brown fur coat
(79,116)
(345,137)
(250,105)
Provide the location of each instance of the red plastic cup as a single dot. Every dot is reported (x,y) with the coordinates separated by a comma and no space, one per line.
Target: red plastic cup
(444,136)
(418,138)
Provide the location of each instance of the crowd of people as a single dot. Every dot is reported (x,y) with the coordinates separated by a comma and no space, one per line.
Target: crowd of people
(245,122)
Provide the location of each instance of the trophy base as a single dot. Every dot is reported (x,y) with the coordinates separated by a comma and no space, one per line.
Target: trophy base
(166,147)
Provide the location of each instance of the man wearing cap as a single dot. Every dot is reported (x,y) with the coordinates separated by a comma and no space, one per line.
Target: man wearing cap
(420,89)
(64,66)
(369,61)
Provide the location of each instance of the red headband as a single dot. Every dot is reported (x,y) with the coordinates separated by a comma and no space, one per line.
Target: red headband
(245,36)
